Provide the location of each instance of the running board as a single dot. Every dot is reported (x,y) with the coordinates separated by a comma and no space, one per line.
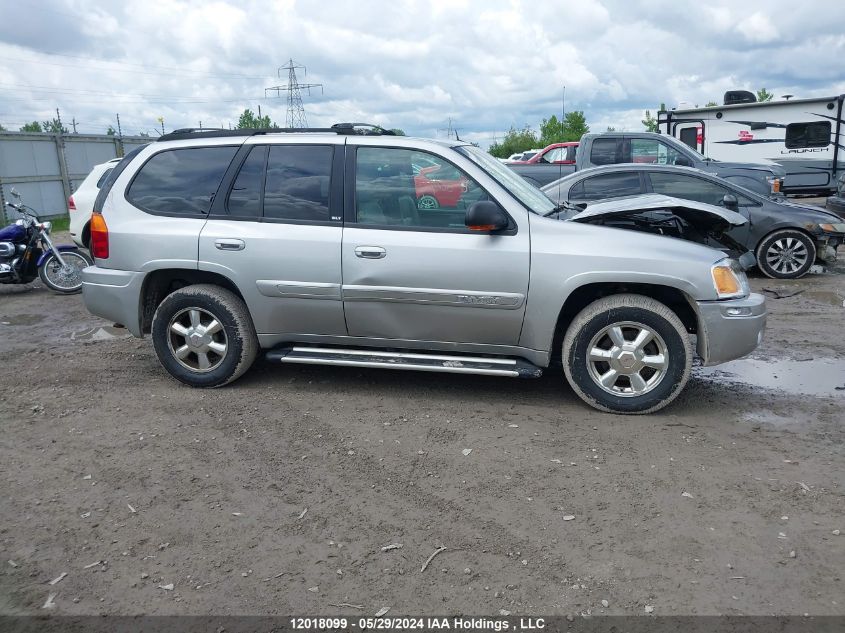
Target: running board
(347,357)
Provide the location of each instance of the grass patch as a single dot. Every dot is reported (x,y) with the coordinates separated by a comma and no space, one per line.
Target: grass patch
(61,223)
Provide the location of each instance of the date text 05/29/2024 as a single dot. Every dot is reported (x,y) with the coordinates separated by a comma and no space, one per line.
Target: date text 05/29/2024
(416,624)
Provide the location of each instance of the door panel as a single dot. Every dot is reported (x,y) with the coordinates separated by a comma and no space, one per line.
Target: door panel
(455,287)
(413,272)
(289,274)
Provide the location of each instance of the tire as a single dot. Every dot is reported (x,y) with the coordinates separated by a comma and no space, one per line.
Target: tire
(192,348)
(427,202)
(593,329)
(57,279)
(786,254)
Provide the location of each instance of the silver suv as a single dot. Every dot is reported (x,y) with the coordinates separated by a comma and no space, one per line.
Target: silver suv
(339,247)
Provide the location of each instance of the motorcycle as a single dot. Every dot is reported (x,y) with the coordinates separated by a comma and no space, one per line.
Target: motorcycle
(26,252)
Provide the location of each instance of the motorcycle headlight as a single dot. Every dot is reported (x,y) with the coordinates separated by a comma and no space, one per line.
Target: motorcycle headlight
(729,279)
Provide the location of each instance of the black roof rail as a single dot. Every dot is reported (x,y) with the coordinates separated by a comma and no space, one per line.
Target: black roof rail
(337,128)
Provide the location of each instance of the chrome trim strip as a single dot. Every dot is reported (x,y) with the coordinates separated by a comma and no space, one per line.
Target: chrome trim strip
(410,366)
(434,296)
(298,289)
(403,355)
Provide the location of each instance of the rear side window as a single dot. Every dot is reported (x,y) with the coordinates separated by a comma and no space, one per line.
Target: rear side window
(245,196)
(603,151)
(607,186)
(815,134)
(180,181)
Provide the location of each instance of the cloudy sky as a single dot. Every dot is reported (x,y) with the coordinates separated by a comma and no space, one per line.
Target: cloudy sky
(486,64)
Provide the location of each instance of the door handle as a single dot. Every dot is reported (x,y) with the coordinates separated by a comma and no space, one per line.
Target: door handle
(370,252)
(229,245)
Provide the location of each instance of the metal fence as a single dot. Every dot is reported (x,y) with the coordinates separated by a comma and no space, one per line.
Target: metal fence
(47,168)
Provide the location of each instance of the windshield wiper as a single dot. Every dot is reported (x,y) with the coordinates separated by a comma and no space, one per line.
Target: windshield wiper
(563,206)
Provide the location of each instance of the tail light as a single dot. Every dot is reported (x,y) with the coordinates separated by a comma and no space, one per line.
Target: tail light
(99,236)
(71,205)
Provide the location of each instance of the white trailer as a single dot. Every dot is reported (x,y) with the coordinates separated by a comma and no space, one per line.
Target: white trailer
(805,136)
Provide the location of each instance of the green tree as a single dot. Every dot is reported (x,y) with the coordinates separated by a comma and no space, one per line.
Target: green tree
(35,126)
(398,132)
(710,104)
(54,127)
(248,120)
(111,131)
(575,126)
(2,129)
(514,141)
(610,128)
(764,95)
(551,131)
(650,122)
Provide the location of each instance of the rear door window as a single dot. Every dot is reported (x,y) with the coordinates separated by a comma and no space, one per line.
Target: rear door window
(298,183)
(103,177)
(180,181)
(607,186)
(603,151)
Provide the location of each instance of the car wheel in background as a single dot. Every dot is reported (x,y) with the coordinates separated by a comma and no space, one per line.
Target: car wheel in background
(786,254)
(203,335)
(627,354)
(427,202)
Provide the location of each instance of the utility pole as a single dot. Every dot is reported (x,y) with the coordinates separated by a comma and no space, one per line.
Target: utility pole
(120,148)
(73,123)
(295,117)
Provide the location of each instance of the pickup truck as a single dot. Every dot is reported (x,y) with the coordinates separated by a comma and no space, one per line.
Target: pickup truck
(309,245)
(611,148)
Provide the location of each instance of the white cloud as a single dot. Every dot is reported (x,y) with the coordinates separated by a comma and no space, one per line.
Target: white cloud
(411,64)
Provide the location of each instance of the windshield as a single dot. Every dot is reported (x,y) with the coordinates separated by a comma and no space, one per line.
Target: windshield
(532,198)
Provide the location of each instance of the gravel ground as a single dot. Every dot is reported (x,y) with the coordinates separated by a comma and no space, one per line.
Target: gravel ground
(277,495)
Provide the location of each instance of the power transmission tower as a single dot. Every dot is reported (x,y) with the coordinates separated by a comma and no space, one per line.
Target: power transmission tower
(295,116)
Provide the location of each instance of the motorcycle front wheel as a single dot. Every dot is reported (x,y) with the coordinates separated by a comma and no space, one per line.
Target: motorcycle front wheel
(65,279)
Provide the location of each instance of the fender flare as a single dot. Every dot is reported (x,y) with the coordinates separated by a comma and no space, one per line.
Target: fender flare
(62,248)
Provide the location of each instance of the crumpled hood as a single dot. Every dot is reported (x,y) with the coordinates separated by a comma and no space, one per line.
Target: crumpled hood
(705,217)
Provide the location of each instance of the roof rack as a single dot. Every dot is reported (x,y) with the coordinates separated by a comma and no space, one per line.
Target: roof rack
(367,129)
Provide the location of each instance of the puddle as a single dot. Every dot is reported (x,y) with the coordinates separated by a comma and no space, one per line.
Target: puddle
(22,319)
(792,420)
(817,377)
(106,333)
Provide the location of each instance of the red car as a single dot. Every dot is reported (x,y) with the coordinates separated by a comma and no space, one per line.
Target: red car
(557,154)
(439,186)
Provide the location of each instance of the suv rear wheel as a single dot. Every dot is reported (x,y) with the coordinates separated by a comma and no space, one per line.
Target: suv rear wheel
(203,335)
(627,354)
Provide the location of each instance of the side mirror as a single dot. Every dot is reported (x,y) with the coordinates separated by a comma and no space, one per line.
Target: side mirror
(729,201)
(683,161)
(485,216)
(15,193)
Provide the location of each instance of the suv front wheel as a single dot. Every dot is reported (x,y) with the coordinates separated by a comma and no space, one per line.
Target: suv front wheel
(203,335)
(627,354)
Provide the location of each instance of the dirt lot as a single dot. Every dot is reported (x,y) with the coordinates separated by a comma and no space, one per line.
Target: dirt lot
(156,498)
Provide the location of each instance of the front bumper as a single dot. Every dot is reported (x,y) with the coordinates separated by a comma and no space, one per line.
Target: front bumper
(114,295)
(730,329)
(837,205)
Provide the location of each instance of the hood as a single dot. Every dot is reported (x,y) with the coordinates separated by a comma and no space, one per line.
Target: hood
(808,213)
(705,217)
(769,167)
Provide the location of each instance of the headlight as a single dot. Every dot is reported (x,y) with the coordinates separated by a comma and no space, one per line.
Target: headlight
(833,228)
(729,279)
